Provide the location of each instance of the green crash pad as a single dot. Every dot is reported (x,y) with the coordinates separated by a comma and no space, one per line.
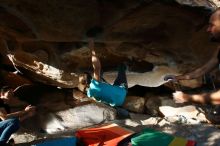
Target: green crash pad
(150,137)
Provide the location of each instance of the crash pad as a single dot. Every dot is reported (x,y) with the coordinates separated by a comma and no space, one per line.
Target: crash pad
(151,137)
(108,134)
(70,141)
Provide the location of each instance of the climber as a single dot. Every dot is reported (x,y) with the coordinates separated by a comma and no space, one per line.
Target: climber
(214,97)
(10,121)
(94,86)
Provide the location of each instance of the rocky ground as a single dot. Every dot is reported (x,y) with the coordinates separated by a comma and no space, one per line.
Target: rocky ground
(61,112)
(44,42)
(204,134)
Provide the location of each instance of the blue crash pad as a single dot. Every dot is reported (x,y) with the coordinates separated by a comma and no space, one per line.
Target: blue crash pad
(70,141)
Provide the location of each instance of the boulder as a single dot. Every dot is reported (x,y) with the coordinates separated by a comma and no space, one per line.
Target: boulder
(153,102)
(134,104)
(70,118)
(46,41)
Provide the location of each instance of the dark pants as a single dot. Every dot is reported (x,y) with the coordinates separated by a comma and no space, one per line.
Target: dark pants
(7,127)
(121,79)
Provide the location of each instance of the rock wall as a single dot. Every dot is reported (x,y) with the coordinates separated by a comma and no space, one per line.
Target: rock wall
(45,41)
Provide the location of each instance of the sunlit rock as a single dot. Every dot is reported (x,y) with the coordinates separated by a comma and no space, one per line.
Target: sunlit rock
(212,4)
(71,118)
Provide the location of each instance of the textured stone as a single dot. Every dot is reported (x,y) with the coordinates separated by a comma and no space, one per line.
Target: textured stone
(46,40)
(134,104)
(12,79)
(212,4)
(78,95)
(70,118)
(153,102)
(188,112)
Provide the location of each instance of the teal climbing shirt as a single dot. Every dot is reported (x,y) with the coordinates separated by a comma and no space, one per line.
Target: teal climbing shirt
(107,93)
